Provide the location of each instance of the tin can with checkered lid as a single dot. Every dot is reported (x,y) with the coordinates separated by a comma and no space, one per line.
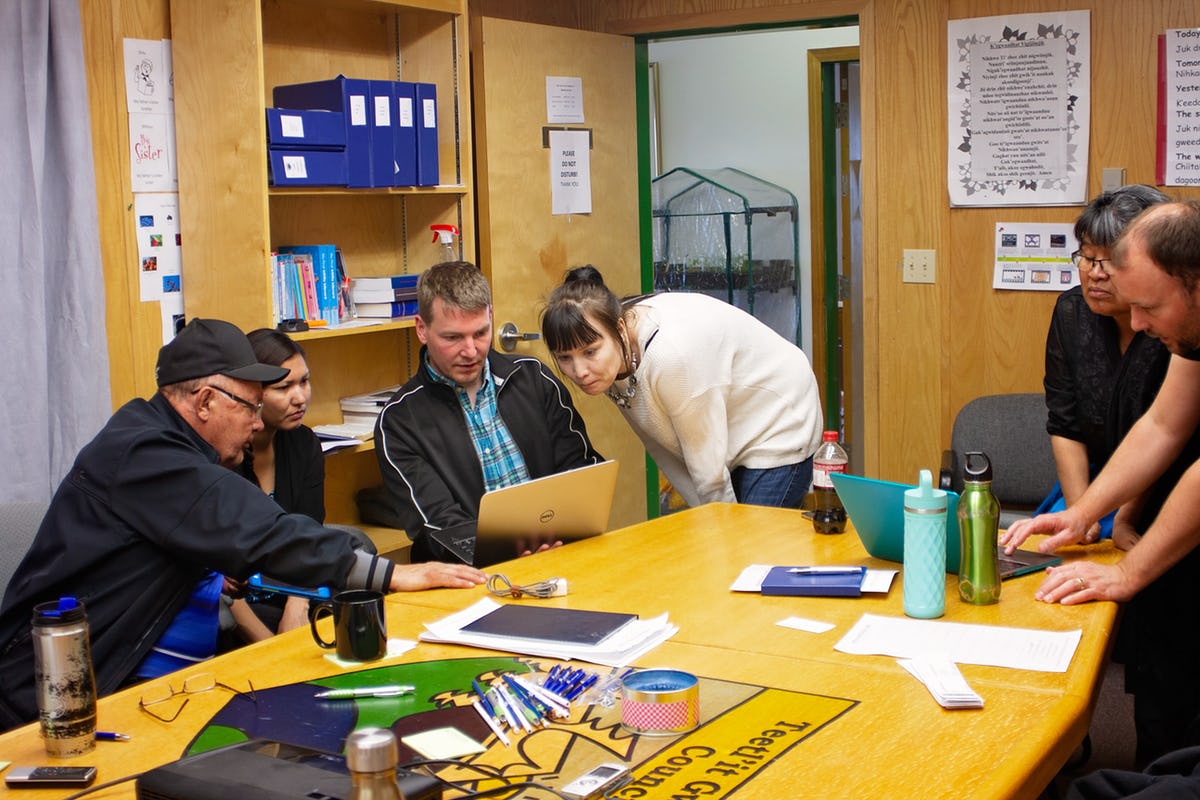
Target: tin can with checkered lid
(660,702)
(65,683)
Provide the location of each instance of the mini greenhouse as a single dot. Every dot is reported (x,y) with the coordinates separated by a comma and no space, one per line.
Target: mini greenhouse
(731,235)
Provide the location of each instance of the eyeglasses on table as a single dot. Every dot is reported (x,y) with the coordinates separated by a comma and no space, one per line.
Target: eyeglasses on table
(152,699)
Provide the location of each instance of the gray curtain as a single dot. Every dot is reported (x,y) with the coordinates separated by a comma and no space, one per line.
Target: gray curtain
(54,389)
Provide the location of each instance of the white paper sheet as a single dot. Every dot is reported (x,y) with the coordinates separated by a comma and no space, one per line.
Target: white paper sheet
(962,643)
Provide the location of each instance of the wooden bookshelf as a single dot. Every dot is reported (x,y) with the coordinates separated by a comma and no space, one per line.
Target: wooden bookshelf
(228,56)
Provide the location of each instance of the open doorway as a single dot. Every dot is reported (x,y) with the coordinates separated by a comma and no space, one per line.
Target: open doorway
(745,99)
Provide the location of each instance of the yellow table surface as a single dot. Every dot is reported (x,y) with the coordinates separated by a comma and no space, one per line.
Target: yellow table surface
(896,742)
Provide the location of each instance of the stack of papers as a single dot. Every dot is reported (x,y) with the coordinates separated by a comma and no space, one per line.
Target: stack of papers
(943,680)
(625,644)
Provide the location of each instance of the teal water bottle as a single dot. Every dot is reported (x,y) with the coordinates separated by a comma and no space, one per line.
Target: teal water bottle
(925,550)
(978,527)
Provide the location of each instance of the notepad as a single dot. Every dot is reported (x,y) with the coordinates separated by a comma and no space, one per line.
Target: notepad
(568,625)
(789,581)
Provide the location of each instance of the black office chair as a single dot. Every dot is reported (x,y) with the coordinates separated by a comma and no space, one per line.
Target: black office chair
(1011,430)
(18,524)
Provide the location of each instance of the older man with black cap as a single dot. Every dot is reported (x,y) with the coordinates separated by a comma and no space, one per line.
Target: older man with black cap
(150,518)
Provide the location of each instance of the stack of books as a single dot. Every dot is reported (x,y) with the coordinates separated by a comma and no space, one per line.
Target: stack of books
(363,409)
(305,283)
(387,297)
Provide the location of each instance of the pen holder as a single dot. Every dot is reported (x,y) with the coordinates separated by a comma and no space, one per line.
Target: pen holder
(660,702)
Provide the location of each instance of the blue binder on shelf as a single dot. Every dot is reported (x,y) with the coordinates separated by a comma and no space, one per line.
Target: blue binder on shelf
(427,135)
(405,133)
(383,125)
(307,167)
(306,129)
(350,97)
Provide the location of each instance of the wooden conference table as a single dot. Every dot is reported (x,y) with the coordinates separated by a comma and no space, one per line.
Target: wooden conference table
(892,740)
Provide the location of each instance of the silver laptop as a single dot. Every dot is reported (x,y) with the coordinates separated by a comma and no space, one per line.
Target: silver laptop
(565,506)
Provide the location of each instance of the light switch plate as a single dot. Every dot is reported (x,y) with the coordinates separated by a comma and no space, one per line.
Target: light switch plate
(919,266)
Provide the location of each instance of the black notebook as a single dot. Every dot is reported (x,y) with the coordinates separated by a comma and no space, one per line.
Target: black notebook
(568,625)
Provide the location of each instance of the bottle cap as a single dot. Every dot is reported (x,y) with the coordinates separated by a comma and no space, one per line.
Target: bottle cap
(977,468)
(371,750)
(829,436)
(925,497)
(62,611)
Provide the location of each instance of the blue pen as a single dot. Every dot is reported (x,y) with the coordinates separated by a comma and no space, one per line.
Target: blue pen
(524,698)
(570,679)
(582,686)
(577,677)
(487,706)
(108,736)
(556,675)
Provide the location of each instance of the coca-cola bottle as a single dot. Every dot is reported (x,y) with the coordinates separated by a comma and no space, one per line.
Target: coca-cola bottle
(829,515)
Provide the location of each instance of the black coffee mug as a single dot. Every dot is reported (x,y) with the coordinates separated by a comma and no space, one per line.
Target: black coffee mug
(359,629)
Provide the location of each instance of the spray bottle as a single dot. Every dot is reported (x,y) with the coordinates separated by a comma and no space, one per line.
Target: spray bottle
(446,234)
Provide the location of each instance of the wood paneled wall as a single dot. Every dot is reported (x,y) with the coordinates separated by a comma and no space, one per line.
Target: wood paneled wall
(931,349)
(134,329)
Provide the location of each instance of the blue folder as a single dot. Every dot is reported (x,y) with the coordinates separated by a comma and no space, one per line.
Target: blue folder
(305,129)
(427,135)
(349,96)
(405,134)
(383,124)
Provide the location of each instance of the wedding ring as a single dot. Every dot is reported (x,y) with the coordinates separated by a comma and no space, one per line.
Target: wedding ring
(1082,583)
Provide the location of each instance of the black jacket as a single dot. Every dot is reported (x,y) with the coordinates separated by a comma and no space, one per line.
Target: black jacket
(144,513)
(431,472)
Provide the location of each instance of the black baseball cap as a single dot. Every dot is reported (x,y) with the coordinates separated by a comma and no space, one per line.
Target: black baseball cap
(212,347)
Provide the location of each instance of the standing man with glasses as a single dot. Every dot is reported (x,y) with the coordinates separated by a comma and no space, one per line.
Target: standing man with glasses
(152,516)
(1156,273)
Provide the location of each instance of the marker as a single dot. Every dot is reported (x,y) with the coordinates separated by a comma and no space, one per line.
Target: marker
(827,570)
(108,736)
(491,723)
(365,691)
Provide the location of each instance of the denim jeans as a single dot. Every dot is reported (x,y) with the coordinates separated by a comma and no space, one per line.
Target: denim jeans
(782,487)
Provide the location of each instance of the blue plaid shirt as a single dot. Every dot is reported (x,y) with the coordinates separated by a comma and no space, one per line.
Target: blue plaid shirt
(503,464)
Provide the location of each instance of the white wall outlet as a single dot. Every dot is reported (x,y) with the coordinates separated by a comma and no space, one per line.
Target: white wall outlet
(918,266)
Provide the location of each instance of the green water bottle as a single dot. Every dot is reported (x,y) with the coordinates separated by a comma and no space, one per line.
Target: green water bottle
(978,527)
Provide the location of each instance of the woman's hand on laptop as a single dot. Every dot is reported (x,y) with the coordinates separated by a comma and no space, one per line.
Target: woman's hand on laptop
(536,544)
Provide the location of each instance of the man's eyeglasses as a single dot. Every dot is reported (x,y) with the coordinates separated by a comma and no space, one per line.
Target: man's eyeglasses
(255,408)
(1088,263)
(152,700)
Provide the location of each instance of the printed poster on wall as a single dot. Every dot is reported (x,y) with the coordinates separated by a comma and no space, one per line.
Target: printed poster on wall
(1035,256)
(1179,108)
(1018,93)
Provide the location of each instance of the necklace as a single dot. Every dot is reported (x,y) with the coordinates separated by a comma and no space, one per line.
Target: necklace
(623,399)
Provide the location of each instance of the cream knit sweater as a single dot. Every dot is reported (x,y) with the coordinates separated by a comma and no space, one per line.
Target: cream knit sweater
(716,390)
